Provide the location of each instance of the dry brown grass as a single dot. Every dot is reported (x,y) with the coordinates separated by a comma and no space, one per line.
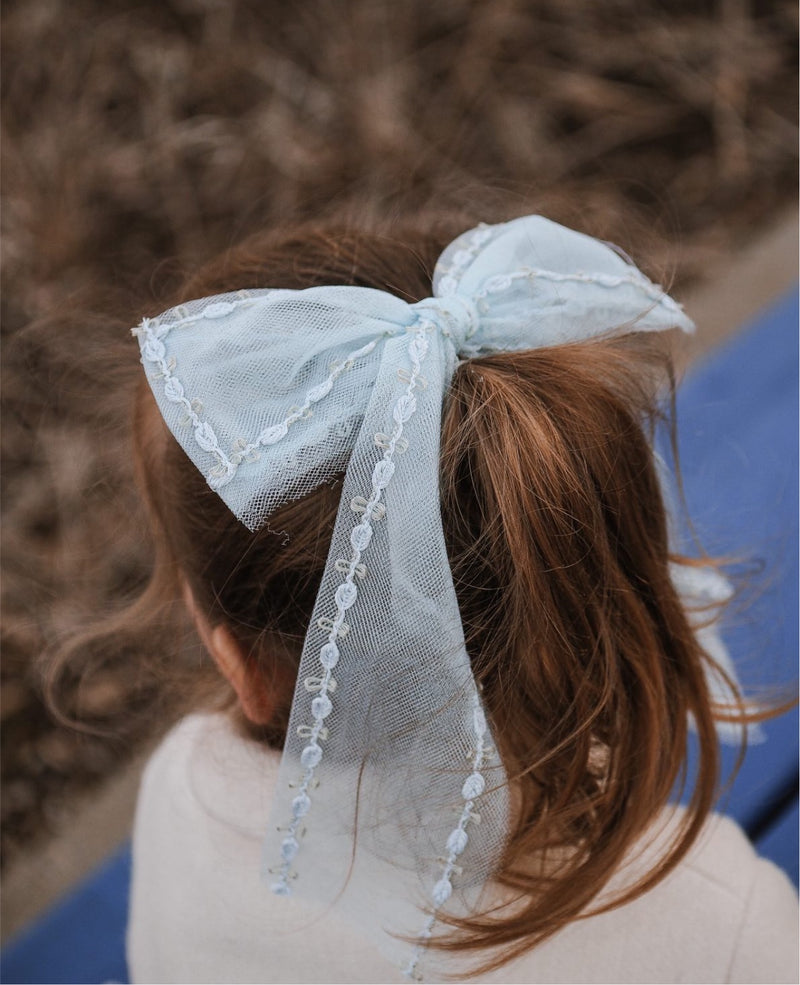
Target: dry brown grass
(142,138)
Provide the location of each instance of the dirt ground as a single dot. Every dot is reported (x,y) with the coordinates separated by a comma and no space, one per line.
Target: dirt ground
(141,139)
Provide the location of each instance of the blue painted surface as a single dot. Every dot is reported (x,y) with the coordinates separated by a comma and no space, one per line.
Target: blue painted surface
(780,842)
(738,428)
(738,418)
(81,939)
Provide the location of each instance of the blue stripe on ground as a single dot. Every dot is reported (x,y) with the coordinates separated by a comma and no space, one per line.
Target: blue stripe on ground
(80,940)
(779,842)
(738,426)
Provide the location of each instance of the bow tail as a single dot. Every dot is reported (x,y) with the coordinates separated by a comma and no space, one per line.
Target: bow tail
(387,725)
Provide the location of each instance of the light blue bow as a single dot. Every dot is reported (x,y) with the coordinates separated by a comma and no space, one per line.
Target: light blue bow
(273,392)
(523,284)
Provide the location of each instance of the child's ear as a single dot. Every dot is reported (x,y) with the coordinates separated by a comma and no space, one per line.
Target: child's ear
(255,695)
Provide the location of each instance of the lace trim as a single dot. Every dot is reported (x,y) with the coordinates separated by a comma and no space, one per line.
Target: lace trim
(217,309)
(457,840)
(502,282)
(344,598)
(462,258)
(151,333)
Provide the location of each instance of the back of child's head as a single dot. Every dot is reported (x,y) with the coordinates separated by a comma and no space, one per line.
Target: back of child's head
(557,536)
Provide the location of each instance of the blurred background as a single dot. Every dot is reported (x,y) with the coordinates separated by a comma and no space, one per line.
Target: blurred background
(141,139)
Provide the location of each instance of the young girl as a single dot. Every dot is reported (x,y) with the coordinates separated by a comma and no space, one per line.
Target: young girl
(408,493)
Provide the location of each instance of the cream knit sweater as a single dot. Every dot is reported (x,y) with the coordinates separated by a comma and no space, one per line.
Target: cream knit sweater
(200,913)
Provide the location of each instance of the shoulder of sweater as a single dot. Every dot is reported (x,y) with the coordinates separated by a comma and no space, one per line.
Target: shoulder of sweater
(725,857)
(211,741)
(205,755)
(205,764)
(721,863)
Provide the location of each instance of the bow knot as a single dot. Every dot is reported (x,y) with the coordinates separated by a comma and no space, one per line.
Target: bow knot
(456,317)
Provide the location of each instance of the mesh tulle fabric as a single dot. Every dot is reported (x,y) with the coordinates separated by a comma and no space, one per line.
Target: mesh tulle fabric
(391,802)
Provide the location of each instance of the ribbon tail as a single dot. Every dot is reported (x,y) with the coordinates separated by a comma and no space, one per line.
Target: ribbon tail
(703,590)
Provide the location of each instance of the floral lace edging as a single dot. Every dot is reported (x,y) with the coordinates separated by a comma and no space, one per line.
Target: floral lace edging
(457,840)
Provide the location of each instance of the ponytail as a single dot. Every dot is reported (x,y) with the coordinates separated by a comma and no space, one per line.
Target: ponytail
(558,537)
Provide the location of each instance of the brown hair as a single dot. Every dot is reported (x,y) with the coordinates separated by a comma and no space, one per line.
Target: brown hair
(589,667)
